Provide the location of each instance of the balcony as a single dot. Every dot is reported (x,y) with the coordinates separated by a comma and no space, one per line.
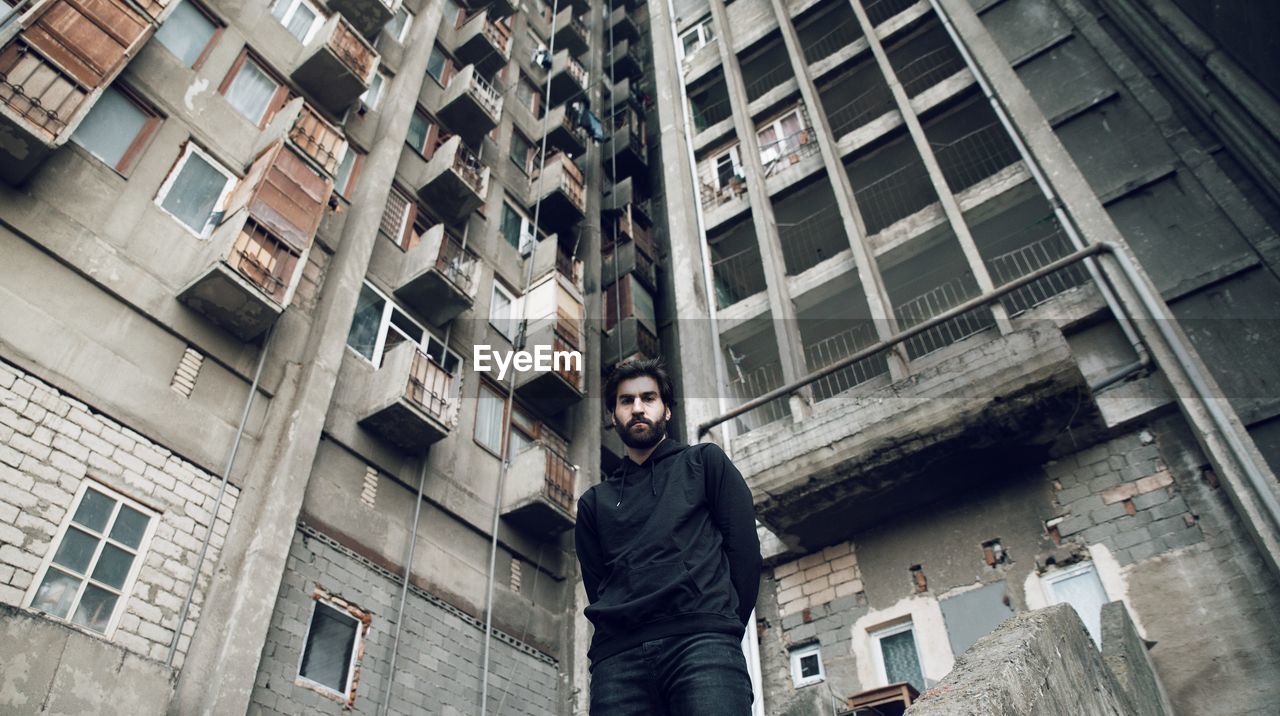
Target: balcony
(538,495)
(571,33)
(311,135)
(337,65)
(626,60)
(411,402)
(632,253)
(454,182)
(250,266)
(56,57)
(439,278)
(568,78)
(624,28)
(471,105)
(623,92)
(563,133)
(554,310)
(366,16)
(483,43)
(562,193)
(496,8)
(627,150)
(630,338)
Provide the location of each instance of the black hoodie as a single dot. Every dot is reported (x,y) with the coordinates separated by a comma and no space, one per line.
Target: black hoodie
(668,547)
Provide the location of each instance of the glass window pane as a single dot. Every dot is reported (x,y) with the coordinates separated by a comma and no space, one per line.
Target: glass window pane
(516,443)
(110,127)
(94,510)
(370,96)
(345,169)
(76,550)
(95,608)
(113,566)
(435,65)
(186,33)
(364,327)
(55,593)
(901,663)
(326,658)
(301,22)
(406,326)
(418,128)
(489,419)
(281,9)
(511,226)
(1084,592)
(809,665)
(500,313)
(251,91)
(129,527)
(195,192)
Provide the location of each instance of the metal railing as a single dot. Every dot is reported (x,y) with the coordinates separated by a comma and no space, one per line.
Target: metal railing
(827,351)
(738,276)
(456,263)
(975,156)
(571,183)
(750,384)
(558,480)
(353,50)
(771,78)
(468,167)
(895,196)
(20,66)
(566,338)
(710,114)
(429,386)
(936,301)
(498,35)
(575,70)
(1051,245)
(788,150)
(839,37)
(486,94)
(929,69)
(264,260)
(813,239)
(317,138)
(871,103)
(880,10)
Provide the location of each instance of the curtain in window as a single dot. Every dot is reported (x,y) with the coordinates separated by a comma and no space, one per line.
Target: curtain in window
(901,662)
(251,91)
(418,128)
(364,327)
(195,192)
(301,22)
(186,33)
(435,65)
(110,127)
(327,655)
(489,419)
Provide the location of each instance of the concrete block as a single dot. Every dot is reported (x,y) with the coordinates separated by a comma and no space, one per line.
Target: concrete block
(1151,499)
(1174,506)
(1099,533)
(1145,550)
(1125,540)
(1108,512)
(1074,524)
(822,597)
(1182,538)
(791,581)
(815,585)
(837,550)
(785,569)
(1105,480)
(1155,481)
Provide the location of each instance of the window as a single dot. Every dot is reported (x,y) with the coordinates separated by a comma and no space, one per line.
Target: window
(379,325)
(522,153)
(453,15)
(88,575)
(188,33)
(896,656)
(502,312)
(419,130)
(399,24)
(438,66)
(1080,587)
(397,217)
(253,92)
(728,168)
(331,648)
(529,96)
(348,171)
(374,93)
(806,665)
(694,38)
(781,136)
(299,17)
(194,189)
(116,129)
(491,408)
(517,228)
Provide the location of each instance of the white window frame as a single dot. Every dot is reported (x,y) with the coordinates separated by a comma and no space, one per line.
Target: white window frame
(769,154)
(705,33)
(404,29)
(293,8)
(877,652)
(514,318)
(345,695)
(215,216)
(1049,580)
(385,326)
(126,590)
(735,157)
(373,93)
(528,232)
(797,655)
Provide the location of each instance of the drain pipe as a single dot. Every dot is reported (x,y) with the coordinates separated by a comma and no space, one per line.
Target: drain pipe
(404,588)
(222,492)
(1077,242)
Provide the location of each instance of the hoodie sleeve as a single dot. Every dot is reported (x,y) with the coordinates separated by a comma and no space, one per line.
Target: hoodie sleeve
(733,513)
(587,544)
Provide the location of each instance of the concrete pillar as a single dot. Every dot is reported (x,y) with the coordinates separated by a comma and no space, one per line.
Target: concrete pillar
(786,329)
(878,303)
(222,664)
(949,204)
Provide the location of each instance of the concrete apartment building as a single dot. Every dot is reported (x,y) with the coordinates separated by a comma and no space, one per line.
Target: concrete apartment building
(248,249)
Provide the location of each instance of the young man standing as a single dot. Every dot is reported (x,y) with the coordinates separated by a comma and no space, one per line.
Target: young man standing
(671,564)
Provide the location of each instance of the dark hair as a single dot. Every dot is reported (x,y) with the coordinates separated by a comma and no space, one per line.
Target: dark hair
(636,368)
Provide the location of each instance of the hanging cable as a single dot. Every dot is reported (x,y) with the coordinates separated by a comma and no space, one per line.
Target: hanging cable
(613,193)
(404,588)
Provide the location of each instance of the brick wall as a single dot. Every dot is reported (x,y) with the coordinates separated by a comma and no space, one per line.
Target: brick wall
(817,578)
(49,444)
(438,665)
(1121,494)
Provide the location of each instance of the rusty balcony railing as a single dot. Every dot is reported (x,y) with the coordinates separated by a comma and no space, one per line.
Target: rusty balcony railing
(264,260)
(353,50)
(566,338)
(559,480)
(498,35)
(430,387)
(318,139)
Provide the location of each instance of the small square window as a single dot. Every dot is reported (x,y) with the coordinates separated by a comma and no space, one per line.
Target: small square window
(331,650)
(89,572)
(806,665)
(253,91)
(188,33)
(116,129)
(195,190)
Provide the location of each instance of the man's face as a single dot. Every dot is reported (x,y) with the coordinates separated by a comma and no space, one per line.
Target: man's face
(639,415)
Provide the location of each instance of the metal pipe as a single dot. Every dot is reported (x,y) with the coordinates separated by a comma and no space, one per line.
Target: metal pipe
(404,588)
(222,492)
(895,339)
(1115,376)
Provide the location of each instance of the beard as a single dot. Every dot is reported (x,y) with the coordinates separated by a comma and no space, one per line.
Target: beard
(641,434)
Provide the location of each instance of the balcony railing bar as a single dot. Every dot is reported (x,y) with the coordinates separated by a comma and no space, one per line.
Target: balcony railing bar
(936,301)
(880,10)
(25,100)
(262,259)
(1051,245)
(894,196)
(808,242)
(738,276)
(429,386)
(469,168)
(559,480)
(975,156)
(873,102)
(710,114)
(841,36)
(788,150)
(353,50)
(929,69)
(823,353)
(455,263)
(750,384)
(773,77)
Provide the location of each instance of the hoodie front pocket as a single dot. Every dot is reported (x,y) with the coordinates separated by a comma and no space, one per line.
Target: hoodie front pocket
(648,593)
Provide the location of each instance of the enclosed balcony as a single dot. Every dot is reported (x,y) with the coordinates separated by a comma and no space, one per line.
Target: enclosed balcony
(250,266)
(56,59)
(571,33)
(554,310)
(629,339)
(483,43)
(439,278)
(623,26)
(623,92)
(568,78)
(627,150)
(454,182)
(471,105)
(626,60)
(311,135)
(631,250)
(411,401)
(337,65)
(630,321)
(563,132)
(562,192)
(538,495)
(366,16)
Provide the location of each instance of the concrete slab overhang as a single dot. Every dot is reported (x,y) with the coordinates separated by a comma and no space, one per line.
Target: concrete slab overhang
(471,105)
(862,459)
(336,66)
(366,16)
(538,495)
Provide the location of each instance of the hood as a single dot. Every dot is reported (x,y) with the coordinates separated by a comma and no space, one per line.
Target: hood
(629,472)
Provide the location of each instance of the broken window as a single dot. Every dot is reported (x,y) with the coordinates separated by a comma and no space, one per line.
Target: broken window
(331,649)
(896,655)
(95,558)
(806,665)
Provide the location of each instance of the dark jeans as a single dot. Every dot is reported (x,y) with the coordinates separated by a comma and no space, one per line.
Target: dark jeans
(683,675)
